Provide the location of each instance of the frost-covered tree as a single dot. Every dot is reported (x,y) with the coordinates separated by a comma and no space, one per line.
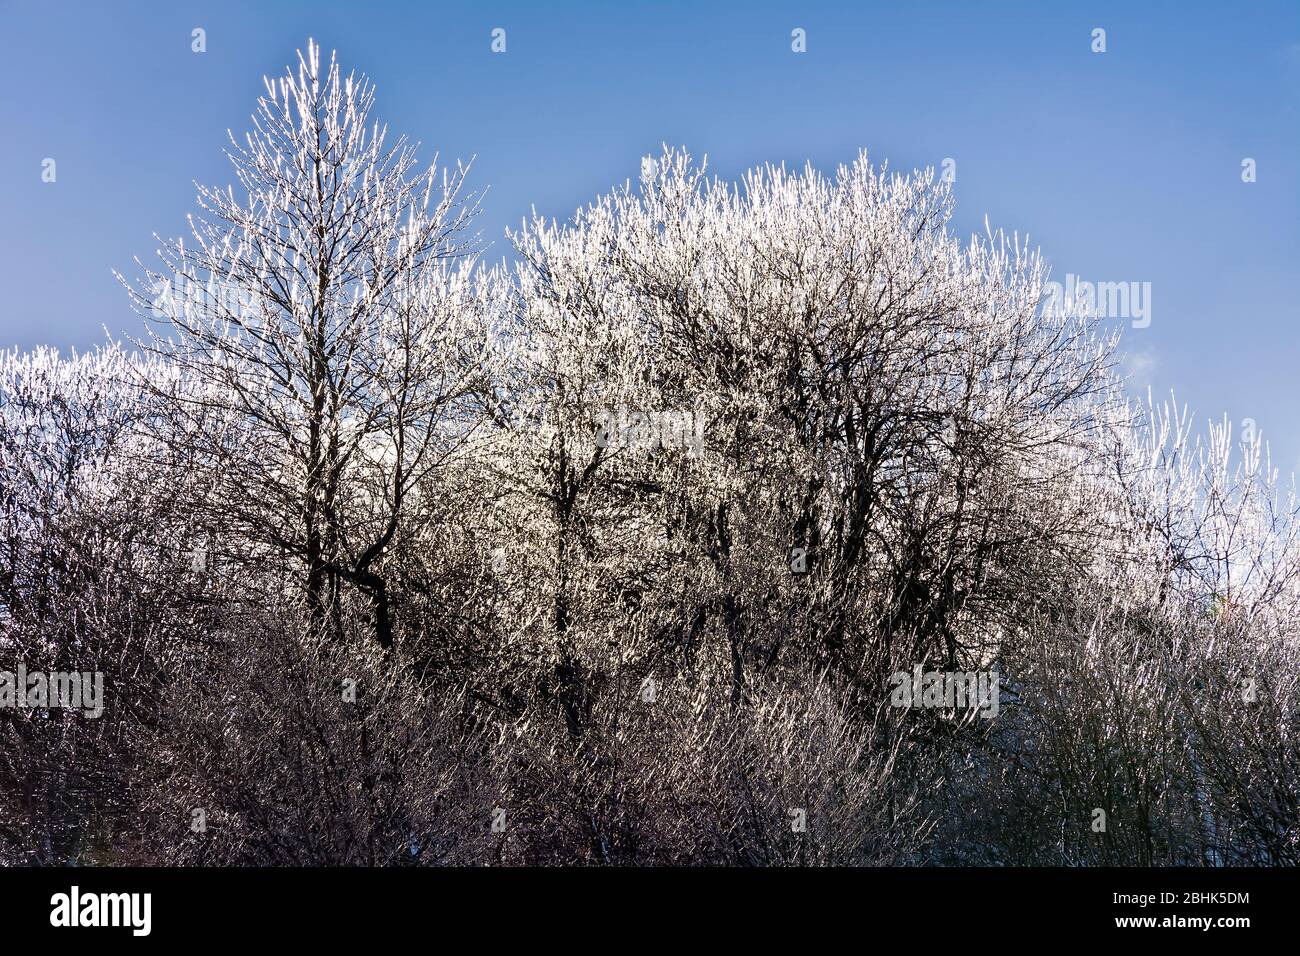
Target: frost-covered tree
(330,314)
(880,405)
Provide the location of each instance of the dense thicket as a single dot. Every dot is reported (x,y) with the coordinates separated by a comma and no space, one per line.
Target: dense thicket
(388,557)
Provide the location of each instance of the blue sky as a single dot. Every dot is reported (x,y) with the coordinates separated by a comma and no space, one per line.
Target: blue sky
(1122,166)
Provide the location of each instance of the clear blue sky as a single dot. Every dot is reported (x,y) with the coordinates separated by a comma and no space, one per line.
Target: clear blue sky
(1123,166)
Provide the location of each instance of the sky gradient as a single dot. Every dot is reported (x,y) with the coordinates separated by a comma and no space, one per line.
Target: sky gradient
(1121,166)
